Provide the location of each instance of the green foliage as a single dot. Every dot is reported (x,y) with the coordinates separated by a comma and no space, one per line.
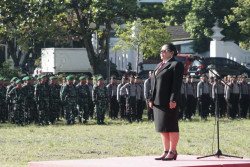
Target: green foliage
(8,73)
(147,11)
(38,62)
(241,16)
(146,35)
(199,16)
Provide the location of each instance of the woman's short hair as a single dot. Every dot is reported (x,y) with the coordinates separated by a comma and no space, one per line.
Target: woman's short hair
(171,48)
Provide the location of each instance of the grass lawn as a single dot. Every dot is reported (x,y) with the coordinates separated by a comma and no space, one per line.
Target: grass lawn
(19,145)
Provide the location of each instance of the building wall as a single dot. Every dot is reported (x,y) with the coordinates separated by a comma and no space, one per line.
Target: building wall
(229,50)
(122,57)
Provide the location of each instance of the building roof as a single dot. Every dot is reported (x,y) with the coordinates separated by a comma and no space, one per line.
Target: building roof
(178,33)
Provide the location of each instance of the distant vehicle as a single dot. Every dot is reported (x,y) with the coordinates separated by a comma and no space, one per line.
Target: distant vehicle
(187,60)
(247,65)
(222,66)
(65,60)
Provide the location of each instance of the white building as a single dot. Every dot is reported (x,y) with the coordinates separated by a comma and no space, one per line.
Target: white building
(227,49)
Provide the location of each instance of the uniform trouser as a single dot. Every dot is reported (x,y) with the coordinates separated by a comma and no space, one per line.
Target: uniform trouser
(221,105)
(122,105)
(195,106)
(11,113)
(55,108)
(113,107)
(131,108)
(2,111)
(43,111)
(100,111)
(139,111)
(150,112)
(83,111)
(189,106)
(70,110)
(212,107)
(204,105)
(182,106)
(244,105)
(18,113)
(233,105)
(91,109)
(30,110)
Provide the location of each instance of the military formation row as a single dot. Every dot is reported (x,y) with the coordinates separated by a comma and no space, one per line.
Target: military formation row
(230,96)
(44,102)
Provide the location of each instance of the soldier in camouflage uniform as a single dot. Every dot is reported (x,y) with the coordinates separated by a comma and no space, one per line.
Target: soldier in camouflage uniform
(9,101)
(3,91)
(55,102)
(42,96)
(29,101)
(100,99)
(69,98)
(83,95)
(17,95)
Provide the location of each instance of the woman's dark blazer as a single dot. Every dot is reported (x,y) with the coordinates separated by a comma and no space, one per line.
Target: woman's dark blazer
(166,84)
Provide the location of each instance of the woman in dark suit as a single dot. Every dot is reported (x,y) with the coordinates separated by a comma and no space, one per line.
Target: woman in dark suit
(166,85)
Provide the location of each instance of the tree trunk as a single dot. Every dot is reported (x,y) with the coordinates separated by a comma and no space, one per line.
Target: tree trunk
(12,49)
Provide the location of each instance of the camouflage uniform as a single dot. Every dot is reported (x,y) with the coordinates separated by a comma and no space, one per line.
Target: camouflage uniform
(83,95)
(55,102)
(100,99)
(29,104)
(3,104)
(42,95)
(69,97)
(9,101)
(17,99)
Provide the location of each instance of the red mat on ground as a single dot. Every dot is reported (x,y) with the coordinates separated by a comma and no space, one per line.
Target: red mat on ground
(147,161)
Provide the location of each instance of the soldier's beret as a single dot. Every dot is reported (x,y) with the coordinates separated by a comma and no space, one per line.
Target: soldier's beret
(52,77)
(42,76)
(13,79)
(99,78)
(211,77)
(18,81)
(83,77)
(26,78)
(70,77)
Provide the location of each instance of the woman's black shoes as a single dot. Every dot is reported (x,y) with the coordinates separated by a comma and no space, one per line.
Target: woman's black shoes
(162,157)
(173,156)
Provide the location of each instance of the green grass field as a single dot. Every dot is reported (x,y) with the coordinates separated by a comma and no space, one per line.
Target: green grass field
(19,145)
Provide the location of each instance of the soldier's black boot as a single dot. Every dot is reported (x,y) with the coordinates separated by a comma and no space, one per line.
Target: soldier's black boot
(68,122)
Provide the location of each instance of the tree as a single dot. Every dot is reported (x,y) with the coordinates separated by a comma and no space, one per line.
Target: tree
(241,16)
(199,16)
(144,35)
(26,25)
(79,15)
